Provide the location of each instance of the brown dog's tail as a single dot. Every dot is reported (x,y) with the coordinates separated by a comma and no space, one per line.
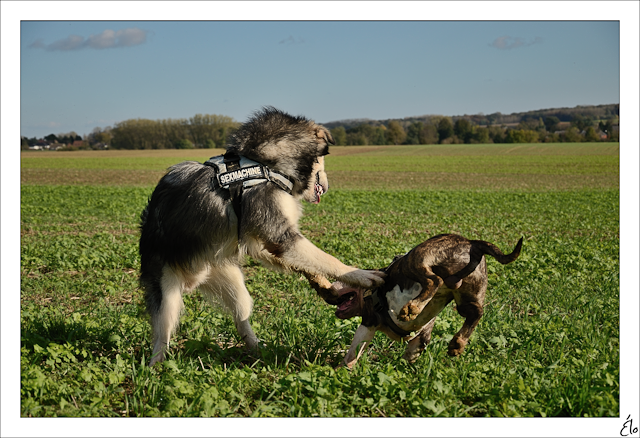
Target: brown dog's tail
(478,249)
(494,251)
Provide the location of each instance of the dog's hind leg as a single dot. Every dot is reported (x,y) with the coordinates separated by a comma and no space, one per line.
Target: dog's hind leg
(226,283)
(472,312)
(165,319)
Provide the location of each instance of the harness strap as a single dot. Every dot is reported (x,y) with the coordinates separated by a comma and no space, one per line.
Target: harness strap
(232,161)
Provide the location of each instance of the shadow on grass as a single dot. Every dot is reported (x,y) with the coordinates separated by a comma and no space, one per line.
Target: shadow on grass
(56,330)
(268,355)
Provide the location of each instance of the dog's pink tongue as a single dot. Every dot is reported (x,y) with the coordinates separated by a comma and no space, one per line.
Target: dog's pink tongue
(319,192)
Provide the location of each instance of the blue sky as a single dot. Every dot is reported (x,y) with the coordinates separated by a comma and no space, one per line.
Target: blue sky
(78,75)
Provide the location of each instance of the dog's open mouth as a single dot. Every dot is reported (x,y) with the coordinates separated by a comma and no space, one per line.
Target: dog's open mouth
(346,302)
(319,191)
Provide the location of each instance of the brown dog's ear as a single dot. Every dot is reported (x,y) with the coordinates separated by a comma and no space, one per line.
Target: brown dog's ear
(323,134)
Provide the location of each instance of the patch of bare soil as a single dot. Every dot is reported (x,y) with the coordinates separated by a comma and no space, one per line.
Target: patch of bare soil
(94,177)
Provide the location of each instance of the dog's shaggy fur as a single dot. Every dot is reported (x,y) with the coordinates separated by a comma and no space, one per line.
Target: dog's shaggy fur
(191,236)
(418,286)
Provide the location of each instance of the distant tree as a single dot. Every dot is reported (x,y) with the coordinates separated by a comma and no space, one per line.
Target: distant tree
(452,140)
(339,136)
(184,144)
(495,133)
(209,144)
(493,118)
(24,143)
(591,134)
(104,137)
(551,123)
(51,138)
(445,129)
(429,134)
(481,135)
(99,136)
(395,133)
(531,124)
(572,135)
(360,135)
(413,133)
(379,135)
(581,122)
(463,129)
(521,136)
(550,137)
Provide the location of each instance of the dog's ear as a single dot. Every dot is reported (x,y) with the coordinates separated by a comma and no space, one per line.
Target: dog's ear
(324,139)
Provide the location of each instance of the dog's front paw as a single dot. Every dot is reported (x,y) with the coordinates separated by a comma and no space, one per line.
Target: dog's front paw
(364,279)
(409,312)
(411,356)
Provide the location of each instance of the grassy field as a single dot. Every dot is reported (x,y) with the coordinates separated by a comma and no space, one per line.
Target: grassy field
(548,344)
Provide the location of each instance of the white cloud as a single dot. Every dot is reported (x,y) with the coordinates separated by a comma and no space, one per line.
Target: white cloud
(108,39)
(292,40)
(508,42)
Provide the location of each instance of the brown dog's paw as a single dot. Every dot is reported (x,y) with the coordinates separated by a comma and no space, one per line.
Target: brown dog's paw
(456,346)
(409,312)
(411,356)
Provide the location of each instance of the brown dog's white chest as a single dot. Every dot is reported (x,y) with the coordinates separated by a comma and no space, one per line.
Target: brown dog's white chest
(398,297)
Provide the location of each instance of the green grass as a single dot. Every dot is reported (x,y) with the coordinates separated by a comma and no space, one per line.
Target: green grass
(548,344)
(485,159)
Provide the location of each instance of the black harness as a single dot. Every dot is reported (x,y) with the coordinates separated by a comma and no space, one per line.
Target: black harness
(236,173)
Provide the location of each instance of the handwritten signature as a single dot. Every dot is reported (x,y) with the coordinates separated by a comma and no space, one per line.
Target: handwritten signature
(628,424)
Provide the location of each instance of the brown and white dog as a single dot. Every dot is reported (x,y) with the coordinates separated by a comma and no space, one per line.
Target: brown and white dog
(417,287)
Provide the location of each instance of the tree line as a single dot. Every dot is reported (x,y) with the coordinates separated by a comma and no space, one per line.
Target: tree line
(582,123)
(200,131)
(444,130)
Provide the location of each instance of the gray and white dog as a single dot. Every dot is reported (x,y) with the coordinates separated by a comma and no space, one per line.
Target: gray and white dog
(202,219)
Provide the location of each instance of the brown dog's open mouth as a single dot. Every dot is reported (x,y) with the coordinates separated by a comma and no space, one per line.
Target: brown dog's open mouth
(346,303)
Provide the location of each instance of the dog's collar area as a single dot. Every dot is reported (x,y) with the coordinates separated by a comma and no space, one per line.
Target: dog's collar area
(248,172)
(381,305)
